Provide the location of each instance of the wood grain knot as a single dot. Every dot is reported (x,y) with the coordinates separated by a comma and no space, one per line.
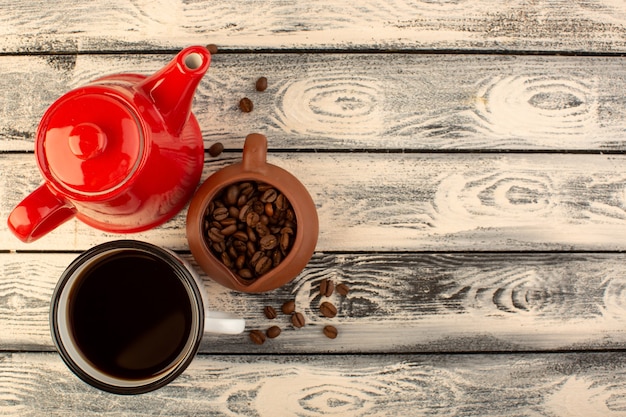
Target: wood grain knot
(317,105)
(615,298)
(316,394)
(493,200)
(532,105)
(515,193)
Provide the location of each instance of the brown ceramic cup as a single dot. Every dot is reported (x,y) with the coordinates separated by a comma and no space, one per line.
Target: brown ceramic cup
(254,167)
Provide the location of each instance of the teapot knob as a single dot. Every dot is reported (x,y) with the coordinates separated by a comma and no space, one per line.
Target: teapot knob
(87,140)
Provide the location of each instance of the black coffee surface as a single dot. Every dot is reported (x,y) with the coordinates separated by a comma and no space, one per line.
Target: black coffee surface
(130,315)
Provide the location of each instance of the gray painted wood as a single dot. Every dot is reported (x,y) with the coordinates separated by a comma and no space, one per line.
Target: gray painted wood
(398,201)
(404,302)
(559,385)
(33,26)
(515,257)
(361,101)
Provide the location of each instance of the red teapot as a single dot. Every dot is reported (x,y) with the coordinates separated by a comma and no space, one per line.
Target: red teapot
(123,153)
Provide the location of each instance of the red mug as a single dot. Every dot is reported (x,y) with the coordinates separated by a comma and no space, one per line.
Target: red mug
(123,154)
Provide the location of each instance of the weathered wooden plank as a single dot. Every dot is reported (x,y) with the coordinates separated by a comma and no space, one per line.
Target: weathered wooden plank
(568,384)
(33,26)
(396,202)
(397,302)
(372,101)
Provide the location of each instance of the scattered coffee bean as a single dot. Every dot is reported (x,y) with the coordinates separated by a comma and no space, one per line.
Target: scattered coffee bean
(270,312)
(245,105)
(273,332)
(257,337)
(328,309)
(297,319)
(327,287)
(343,289)
(237,222)
(261,84)
(212,48)
(289,307)
(330,332)
(216,149)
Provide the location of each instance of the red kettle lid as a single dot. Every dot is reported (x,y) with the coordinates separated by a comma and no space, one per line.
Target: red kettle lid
(89,141)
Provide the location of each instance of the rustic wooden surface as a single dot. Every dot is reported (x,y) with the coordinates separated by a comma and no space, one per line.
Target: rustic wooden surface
(467,163)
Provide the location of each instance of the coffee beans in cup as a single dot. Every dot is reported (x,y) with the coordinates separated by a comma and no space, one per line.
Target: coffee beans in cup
(250,227)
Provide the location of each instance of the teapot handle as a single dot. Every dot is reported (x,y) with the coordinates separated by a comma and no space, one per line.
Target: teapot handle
(38,214)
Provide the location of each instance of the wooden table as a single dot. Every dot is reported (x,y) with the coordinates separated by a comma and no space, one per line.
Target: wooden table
(467,163)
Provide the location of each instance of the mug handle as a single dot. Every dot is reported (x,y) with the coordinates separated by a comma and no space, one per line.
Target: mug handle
(38,214)
(223,323)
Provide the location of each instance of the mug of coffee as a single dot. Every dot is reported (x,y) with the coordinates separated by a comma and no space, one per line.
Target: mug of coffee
(127,317)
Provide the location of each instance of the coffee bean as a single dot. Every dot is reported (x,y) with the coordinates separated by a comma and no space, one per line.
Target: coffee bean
(286,230)
(233,251)
(252,218)
(219,247)
(327,287)
(251,248)
(263,187)
(288,307)
(256,257)
(240,262)
(330,332)
(237,222)
(257,337)
(343,289)
(245,104)
(245,273)
(270,312)
(212,48)
(229,230)
(261,230)
(239,247)
(273,332)
(277,258)
(216,149)
(220,213)
(297,319)
(285,241)
(240,235)
(281,202)
(268,242)
(232,194)
(263,265)
(243,212)
(328,309)
(215,235)
(269,196)
(258,207)
(261,84)
(233,212)
(246,188)
(226,260)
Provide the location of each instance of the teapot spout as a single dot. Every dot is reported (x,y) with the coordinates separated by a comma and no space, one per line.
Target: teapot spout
(172,88)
